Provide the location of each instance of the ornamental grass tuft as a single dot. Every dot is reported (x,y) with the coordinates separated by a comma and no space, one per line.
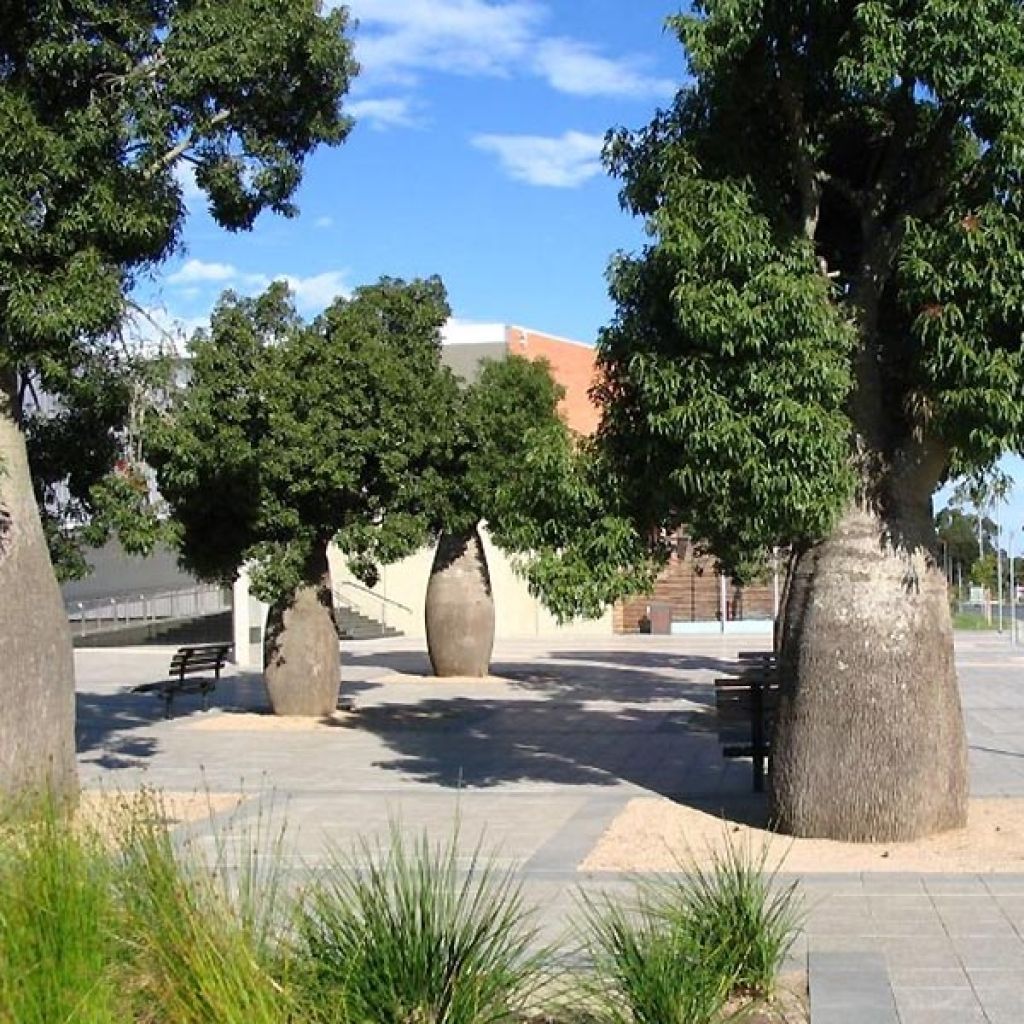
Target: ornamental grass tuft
(57,920)
(405,935)
(691,943)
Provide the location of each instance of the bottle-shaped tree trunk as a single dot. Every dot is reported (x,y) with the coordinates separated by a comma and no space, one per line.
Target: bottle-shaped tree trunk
(37,681)
(460,607)
(301,653)
(870,742)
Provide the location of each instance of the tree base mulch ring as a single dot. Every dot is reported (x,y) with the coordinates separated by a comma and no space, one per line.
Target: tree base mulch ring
(660,835)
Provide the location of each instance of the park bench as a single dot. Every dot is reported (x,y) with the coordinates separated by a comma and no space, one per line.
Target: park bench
(746,705)
(187,660)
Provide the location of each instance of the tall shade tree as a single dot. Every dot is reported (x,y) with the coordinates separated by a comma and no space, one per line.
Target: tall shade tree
(826,324)
(102,105)
(288,437)
(503,415)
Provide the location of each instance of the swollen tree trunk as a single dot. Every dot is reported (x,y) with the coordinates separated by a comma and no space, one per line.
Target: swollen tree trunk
(869,744)
(37,681)
(301,654)
(460,607)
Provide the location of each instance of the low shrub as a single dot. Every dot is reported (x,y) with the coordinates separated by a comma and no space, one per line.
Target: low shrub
(204,939)
(690,942)
(403,936)
(124,921)
(57,921)
(744,916)
(649,968)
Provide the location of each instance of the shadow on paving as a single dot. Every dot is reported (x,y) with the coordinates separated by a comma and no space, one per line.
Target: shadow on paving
(478,743)
(485,742)
(609,676)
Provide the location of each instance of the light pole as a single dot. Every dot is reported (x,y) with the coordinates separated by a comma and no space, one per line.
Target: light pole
(999,564)
(1013,588)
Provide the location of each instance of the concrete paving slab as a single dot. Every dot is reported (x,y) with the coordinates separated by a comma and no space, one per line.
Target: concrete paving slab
(539,761)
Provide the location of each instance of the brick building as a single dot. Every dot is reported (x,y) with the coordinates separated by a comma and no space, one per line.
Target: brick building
(689,594)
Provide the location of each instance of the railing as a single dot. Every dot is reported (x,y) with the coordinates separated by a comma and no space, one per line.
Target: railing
(97,613)
(369,599)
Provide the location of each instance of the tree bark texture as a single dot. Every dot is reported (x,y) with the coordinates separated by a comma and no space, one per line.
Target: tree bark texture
(301,653)
(870,744)
(37,675)
(460,607)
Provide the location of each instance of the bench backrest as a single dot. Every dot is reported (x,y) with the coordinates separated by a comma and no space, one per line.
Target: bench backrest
(199,657)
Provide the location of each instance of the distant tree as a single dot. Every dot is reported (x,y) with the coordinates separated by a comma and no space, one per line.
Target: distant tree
(502,417)
(984,572)
(290,437)
(958,532)
(103,103)
(825,325)
(984,491)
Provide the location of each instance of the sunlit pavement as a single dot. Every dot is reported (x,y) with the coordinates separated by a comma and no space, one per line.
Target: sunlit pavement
(538,762)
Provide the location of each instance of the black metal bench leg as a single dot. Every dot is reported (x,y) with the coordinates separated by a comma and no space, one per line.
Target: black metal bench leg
(757,734)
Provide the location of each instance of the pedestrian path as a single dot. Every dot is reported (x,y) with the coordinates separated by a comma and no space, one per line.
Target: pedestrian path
(541,759)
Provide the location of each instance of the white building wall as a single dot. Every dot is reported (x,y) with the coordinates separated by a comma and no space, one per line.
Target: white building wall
(399,598)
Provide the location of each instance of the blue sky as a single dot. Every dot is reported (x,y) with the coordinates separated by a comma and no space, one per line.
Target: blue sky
(475,156)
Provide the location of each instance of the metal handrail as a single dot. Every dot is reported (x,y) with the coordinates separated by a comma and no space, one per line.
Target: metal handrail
(369,593)
(146,606)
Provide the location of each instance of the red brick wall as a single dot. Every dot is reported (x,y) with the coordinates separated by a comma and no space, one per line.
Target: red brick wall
(572,365)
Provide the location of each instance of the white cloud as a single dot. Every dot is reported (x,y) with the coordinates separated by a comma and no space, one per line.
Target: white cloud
(398,38)
(392,112)
(579,70)
(562,162)
(311,293)
(185,175)
(195,271)
(323,222)
(314,293)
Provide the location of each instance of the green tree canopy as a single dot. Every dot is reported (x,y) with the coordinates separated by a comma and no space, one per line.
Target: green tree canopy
(833,292)
(825,324)
(289,436)
(500,416)
(103,104)
(959,532)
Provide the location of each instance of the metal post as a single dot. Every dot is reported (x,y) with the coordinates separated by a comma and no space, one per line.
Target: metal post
(775,583)
(999,566)
(723,599)
(1013,594)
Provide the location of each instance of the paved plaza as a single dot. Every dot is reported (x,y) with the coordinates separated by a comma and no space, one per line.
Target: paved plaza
(542,760)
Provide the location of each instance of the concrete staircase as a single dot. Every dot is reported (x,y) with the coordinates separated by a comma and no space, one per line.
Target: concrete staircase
(353,625)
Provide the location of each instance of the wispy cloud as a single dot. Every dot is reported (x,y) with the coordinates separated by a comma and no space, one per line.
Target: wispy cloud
(324,222)
(400,38)
(580,70)
(312,293)
(390,112)
(198,271)
(397,41)
(566,161)
(185,175)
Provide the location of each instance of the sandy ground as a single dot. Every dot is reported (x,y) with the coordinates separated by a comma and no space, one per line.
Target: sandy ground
(102,806)
(659,835)
(410,677)
(250,721)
